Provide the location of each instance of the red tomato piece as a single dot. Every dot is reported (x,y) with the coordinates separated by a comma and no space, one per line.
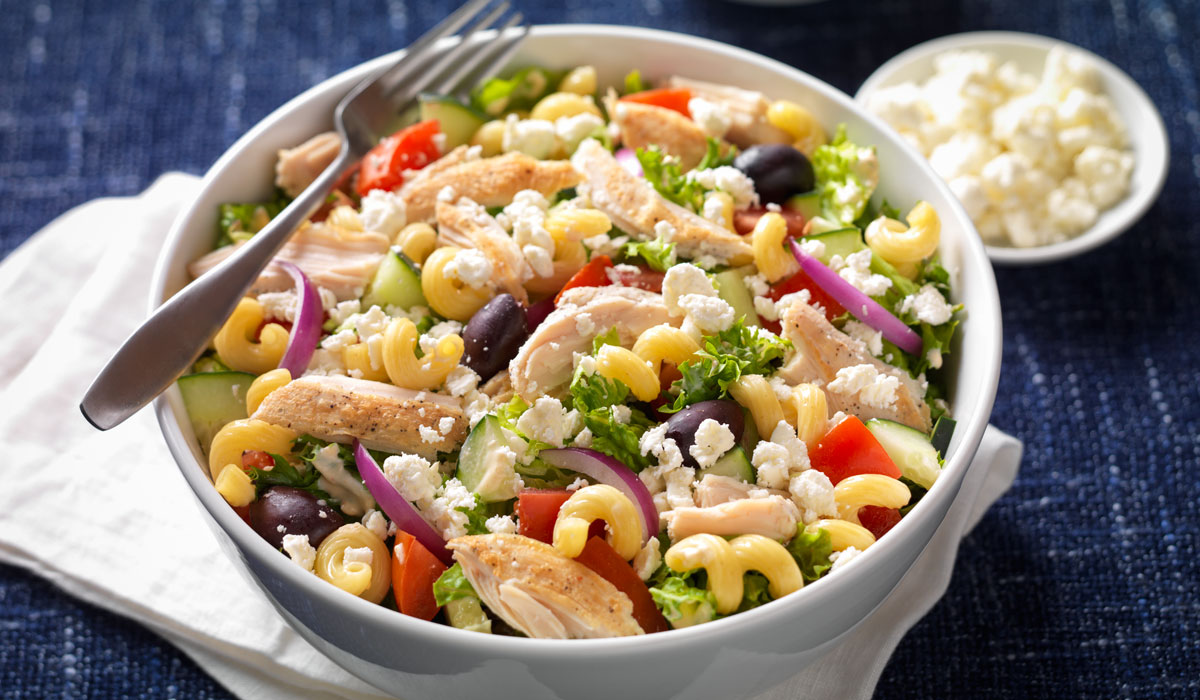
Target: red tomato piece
(257,459)
(671,98)
(599,556)
(644,278)
(801,280)
(593,274)
(744,220)
(536,511)
(414,569)
(411,148)
(849,449)
(878,519)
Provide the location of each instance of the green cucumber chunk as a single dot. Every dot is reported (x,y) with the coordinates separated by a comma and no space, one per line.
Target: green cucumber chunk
(213,399)
(480,459)
(732,288)
(734,463)
(456,120)
(843,242)
(467,614)
(808,204)
(943,430)
(397,282)
(910,449)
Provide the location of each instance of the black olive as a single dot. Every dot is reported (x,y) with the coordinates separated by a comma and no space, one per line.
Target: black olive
(682,426)
(295,510)
(778,171)
(494,335)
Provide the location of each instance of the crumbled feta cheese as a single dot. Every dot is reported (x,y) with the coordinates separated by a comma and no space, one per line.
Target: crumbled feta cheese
(579,483)
(871,338)
(713,118)
(383,212)
(812,492)
(357,555)
(712,440)
(813,247)
(541,260)
(279,306)
(757,284)
(584,324)
(1106,173)
(471,267)
(447,194)
(461,380)
(340,341)
(584,363)
(583,438)
(414,477)
(683,280)
(429,436)
(501,524)
(714,209)
(856,269)
(571,131)
(444,514)
(766,308)
(429,340)
(771,464)
(300,551)
(533,137)
(603,244)
(842,558)
(873,388)
(729,180)
(934,358)
(476,405)
(376,523)
(543,421)
(928,305)
(648,559)
(709,313)
(325,363)
(344,310)
(370,323)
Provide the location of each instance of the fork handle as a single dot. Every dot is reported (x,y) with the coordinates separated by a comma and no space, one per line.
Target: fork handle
(167,344)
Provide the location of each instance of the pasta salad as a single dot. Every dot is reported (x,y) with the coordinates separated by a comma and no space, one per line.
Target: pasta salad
(560,362)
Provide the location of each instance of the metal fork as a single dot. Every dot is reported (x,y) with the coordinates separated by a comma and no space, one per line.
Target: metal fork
(167,344)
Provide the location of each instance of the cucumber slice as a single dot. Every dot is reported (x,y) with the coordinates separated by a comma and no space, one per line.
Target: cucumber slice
(943,430)
(480,463)
(734,463)
(213,399)
(808,204)
(397,282)
(910,449)
(843,242)
(457,121)
(732,289)
(468,614)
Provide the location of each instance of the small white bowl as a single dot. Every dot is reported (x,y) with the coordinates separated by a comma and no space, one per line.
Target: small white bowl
(1147,134)
(736,657)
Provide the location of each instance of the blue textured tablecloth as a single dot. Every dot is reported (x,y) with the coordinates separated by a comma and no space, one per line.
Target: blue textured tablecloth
(1081,582)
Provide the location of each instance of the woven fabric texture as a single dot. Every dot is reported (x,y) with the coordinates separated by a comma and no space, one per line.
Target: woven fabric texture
(1083,581)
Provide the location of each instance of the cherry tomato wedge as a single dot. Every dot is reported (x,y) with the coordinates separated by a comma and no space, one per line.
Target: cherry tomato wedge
(849,449)
(593,274)
(257,459)
(671,98)
(878,519)
(795,283)
(744,220)
(599,556)
(411,148)
(643,278)
(414,569)
(537,509)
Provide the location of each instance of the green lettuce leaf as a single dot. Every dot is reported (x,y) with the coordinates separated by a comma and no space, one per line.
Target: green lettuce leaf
(811,551)
(682,603)
(452,585)
(634,82)
(522,91)
(658,254)
(594,397)
(669,179)
(609,337)
(240,221)
(726,356)
(847,175)
(754,591)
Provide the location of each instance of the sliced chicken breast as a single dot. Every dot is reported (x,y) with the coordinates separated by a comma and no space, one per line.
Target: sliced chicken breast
(298,167)
(467,224)
(636,208)
(545,362)
(771,516)
(492,182)
(713,490)
(748,109)
(821,350)
(644,125)
(540,592)
(342,261)
(382,416)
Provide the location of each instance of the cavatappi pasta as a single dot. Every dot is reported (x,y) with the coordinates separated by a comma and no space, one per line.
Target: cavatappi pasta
(566,341)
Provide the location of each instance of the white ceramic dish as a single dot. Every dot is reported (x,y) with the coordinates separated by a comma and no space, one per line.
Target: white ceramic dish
(1147,134)
(735,657)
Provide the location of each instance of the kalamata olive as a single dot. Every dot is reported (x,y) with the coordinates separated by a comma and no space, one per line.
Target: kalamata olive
(494,335)
(682,426)
(778,171)
(297,511)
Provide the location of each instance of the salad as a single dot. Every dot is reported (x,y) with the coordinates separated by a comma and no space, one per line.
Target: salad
(560,362)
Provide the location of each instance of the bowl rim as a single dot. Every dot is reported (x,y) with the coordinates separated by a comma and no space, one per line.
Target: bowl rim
(357,610)
(1100,232)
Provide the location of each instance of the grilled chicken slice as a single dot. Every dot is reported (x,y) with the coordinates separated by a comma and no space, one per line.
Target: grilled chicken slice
(821,350)
(492,182)
(545,362)
(342,261)
(771,516)
(713,490)
(540,592)
(298,167)
(382,416)
(635,208)
(748,109)
(467,224)
(644,125)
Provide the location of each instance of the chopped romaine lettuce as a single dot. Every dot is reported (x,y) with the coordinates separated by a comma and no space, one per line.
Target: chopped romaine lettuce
(452,585)
(522,91)
(658,253)
(683,604)
(727,356)
(811,551)
(847,175)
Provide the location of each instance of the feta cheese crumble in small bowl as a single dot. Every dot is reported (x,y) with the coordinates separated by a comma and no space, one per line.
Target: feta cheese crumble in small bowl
(1051,149)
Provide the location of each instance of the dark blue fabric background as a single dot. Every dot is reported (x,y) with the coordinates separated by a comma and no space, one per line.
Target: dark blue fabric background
(1081,582)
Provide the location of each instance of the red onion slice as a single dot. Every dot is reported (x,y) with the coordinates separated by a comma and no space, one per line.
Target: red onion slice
(628,159)
(608,470)
(306,328)
(863,307)
(397,507)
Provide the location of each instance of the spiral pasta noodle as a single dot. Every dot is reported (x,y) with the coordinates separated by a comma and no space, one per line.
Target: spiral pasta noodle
(407,370)
(367,581)
(237,347)
(450,297)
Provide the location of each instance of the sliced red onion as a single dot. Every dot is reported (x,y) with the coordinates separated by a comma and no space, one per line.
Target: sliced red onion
(628,159)
(608,470)
(863,307)
(538,312)
(306,328)
(397,507)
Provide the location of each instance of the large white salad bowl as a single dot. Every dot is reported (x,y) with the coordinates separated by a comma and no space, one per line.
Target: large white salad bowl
(735,657)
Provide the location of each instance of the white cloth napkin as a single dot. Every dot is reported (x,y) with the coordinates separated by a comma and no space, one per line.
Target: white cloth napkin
(103,515)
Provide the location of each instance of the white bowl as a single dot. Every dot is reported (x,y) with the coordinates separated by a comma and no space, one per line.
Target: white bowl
(735,657)
(1147,135)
